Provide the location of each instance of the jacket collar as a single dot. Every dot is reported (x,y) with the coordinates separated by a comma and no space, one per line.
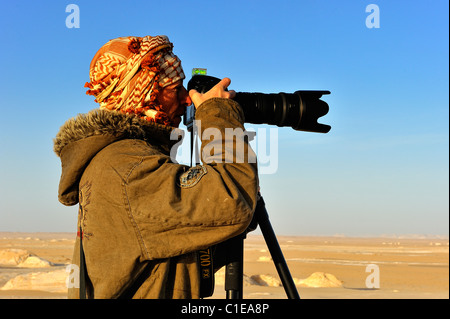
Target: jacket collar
(115,124)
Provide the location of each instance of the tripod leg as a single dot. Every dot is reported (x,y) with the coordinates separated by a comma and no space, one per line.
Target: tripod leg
(234,269)
(275,250)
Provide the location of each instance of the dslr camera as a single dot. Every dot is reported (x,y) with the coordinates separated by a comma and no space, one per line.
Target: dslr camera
(299,110)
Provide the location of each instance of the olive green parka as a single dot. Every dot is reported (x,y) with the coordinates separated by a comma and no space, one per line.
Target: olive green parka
(143,217)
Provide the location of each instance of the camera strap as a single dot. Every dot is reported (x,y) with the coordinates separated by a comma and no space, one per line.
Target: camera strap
(83,272)
(205,261)
(205,256)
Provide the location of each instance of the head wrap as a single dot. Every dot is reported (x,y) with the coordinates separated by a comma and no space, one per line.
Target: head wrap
(127,73)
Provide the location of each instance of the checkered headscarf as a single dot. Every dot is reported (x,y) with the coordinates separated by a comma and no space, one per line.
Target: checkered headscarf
(127,73)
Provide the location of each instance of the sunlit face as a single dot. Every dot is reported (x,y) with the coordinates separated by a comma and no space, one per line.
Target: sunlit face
(174,99)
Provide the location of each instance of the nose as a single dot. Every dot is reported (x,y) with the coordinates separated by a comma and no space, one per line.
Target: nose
(185,99)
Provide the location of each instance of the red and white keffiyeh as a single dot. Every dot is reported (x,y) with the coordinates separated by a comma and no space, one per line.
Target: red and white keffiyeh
(127,73)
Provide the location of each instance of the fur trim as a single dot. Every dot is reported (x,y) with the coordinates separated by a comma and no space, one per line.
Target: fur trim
(122,126)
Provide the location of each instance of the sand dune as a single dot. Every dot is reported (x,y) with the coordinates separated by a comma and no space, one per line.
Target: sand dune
(34,266)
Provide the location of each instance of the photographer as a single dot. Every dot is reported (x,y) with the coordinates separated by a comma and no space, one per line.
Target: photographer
(143,218)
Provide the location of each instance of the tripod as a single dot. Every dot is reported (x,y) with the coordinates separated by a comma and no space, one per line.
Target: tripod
(235,255)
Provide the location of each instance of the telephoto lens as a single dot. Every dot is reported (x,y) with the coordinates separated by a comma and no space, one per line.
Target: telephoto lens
(299,110)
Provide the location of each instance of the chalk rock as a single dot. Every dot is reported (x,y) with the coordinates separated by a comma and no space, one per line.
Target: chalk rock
(219,278)
(266,280)
(248,281)
(52,281)
(318,280)
(22,258)
(13,257)
(35,262)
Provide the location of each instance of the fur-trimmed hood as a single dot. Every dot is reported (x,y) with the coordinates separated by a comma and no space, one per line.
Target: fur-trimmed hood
(121,126)
(81,138)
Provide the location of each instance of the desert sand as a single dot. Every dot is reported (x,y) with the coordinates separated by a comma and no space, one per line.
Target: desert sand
(33,265)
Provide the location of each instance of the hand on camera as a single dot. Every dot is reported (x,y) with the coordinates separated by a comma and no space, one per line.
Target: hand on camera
(219,90)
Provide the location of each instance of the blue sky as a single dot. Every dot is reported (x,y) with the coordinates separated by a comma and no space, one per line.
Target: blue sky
(383,167)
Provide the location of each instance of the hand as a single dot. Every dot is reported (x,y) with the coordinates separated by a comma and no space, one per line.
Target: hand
(219,90)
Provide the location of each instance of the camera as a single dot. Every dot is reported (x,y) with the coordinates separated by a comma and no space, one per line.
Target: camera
(299,110)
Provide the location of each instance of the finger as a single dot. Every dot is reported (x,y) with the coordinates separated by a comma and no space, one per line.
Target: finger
(224,83)
(232,94)
(196,98)
(192,93)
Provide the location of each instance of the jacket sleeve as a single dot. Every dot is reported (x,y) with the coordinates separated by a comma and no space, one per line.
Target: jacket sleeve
(176,209)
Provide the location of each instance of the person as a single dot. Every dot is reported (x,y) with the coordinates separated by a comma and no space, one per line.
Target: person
(143,218)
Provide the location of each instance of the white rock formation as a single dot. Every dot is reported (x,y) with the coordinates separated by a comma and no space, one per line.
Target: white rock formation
(316,280)
(13,257)
(319,280)
(266,280)
(265,258)
(22,258)
(52,281)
